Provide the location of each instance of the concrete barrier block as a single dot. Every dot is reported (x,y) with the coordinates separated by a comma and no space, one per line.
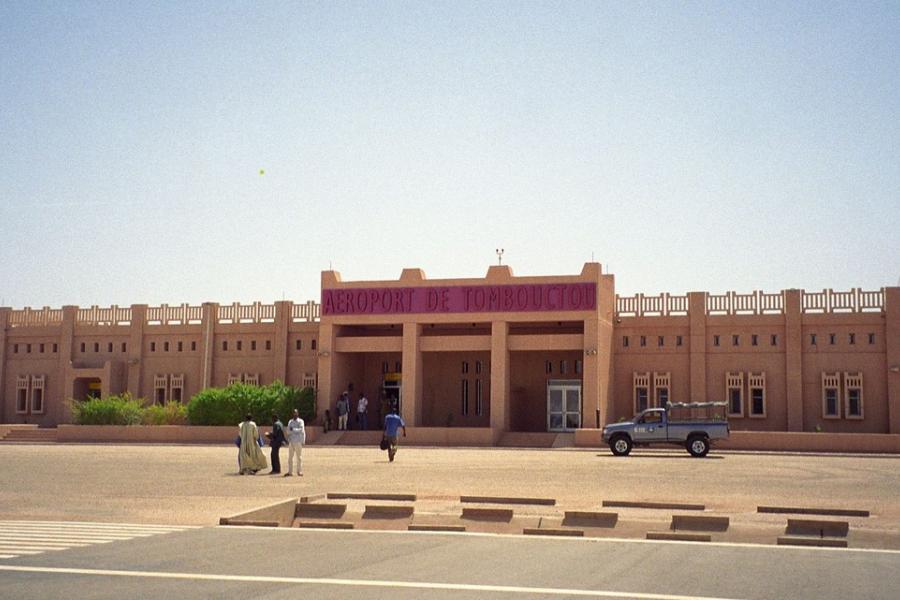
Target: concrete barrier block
(384,511)
(550,531)
(325,525)
(812,541)
(678,536)
(488,514)
(412,527)
(371,496)
(699,523)
(590,518)
(507,500)
(655,505)
(814,527)
(830,512)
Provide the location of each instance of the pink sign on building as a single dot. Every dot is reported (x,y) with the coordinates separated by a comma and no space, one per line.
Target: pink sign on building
(460,299)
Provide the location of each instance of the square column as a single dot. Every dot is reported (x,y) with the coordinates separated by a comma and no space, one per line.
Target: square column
(793,359)
(697,345)
(283,310)
(136,349)
(328,387)
(413,376)
(892,355)
(208,318)
(500,409)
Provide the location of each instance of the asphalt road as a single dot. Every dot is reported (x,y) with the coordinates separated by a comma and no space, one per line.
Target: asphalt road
(271,563)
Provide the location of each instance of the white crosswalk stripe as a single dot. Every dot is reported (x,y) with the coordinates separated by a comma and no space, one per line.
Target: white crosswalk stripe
(27,538)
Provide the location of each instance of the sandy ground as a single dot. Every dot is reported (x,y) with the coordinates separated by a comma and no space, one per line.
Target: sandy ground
(198,484)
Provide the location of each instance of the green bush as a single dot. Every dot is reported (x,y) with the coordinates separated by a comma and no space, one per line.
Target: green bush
(171,413)
(112,410)
(228,406)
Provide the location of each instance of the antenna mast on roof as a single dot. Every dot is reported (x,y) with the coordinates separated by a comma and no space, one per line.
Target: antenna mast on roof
(499,252)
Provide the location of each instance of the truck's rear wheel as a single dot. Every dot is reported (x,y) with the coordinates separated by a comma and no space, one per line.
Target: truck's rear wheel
(698,446)
(620,445)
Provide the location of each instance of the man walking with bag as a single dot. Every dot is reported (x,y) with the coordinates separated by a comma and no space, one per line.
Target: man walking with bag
(392,423)
(296,437)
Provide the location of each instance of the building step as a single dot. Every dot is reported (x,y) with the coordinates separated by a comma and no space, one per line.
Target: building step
(44,436)
(328,439)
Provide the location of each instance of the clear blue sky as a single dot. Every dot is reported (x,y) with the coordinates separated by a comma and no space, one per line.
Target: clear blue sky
(686,146)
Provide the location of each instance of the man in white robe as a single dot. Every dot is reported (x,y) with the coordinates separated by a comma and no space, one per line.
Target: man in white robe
(251,457)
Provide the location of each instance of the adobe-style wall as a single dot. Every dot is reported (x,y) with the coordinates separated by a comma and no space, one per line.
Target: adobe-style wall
(160,434)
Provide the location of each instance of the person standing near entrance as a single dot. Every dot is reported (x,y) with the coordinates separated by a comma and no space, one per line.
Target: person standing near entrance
(343,409)
(296,437)
(276,441)
(392,424)
(362,412)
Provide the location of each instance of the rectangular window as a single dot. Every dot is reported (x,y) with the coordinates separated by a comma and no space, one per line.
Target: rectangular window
(176,394)
(660,341)
(160,385)
(563,367)
(579,367)
(176,388)
(252,344)
(181,346)
(152,346)
(240,345)
(384,367)
(774,340)
(548,367)
(643,341)
(28,348)
(193,346)
(852,339)
(754,340)
(831,395)
(477,367)
(37,394)
(398,367)
(268,344)
(55,348)
(165,346)
(312,344)
(464,396)
(96,347)
(831,338)
(299,344)
(41,348)
(735,340)
(661,389)
(15,348)
(871,338)
(108,347)
(479,398)
(22,394)
(641,390)
(624,341)
(465,366)
(734,393)
(640,399)
(124,347)
(854,395)
(715,340)
(757,384)
(662,397)
(82,346)
(812,339)
(225,346)
(678,340)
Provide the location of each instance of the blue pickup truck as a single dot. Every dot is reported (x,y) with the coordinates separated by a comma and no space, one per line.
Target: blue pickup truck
(690,425)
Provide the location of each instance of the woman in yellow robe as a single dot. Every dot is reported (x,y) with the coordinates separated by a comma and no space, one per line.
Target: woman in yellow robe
(251,457)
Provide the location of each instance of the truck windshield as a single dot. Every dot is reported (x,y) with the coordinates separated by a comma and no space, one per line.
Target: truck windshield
(653,417)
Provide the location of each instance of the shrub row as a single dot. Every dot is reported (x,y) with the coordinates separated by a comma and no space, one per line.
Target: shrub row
(229,405)
(125,410)
(212,406)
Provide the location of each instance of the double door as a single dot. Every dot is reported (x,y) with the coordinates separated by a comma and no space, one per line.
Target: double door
(563,405)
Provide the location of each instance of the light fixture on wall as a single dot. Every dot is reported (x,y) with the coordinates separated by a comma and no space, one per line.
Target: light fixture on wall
(324,353)
(895,369)
(591,351)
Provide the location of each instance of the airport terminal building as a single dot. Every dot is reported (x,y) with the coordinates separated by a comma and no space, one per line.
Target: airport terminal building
(489,355)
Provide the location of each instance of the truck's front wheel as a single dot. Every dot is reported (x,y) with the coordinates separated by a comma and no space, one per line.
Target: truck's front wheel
(620,445)
(698,446)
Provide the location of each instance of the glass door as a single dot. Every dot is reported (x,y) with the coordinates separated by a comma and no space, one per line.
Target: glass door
(563,405)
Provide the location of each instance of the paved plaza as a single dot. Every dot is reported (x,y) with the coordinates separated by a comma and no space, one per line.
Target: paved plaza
(196,485)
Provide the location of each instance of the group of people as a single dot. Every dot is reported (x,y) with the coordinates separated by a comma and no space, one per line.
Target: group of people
(343,408)
(251,459)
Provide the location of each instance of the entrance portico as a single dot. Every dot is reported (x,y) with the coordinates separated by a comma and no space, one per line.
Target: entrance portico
(482,353)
